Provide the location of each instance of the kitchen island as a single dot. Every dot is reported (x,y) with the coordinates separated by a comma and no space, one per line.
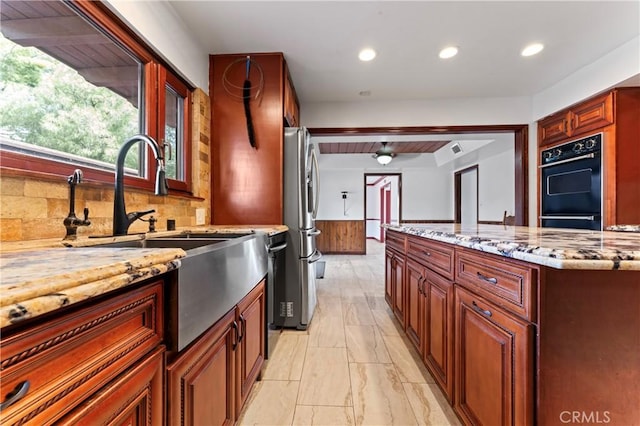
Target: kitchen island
(522,325)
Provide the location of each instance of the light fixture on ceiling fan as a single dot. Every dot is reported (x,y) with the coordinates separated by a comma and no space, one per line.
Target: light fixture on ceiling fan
(384,155)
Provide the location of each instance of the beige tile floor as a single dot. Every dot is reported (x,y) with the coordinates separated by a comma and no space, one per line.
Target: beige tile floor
(353,366)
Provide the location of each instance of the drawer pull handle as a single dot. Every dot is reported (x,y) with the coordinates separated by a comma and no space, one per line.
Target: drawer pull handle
(477,308)
(236,339)
(426,253)
(487,279)
(243,326)
(15,395)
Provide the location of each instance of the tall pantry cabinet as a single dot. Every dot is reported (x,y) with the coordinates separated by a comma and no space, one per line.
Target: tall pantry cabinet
(246,180)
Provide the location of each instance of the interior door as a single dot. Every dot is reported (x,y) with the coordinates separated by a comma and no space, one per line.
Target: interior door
(466,196)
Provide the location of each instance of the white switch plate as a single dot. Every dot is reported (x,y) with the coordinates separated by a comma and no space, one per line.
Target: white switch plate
(200,216)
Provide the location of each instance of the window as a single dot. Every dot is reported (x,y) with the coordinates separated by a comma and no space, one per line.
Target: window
(75,85)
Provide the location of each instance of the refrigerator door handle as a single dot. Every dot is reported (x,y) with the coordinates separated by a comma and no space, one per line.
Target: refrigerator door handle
(315,232)
(316,181)
(315,257)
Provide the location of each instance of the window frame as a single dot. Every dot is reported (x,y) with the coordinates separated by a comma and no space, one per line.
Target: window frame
(155,75)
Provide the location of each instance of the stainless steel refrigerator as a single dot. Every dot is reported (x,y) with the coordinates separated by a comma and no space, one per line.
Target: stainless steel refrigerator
(295,301)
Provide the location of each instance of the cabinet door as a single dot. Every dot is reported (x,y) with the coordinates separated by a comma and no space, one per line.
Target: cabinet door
(554,128)
(398,289)
(415,302)
(388,277)
(134,398)
(494,364)
(201,382)
(250,351)
(592,115)
(438,333)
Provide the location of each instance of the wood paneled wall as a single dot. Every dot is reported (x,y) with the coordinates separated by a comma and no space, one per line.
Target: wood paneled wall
(341,236)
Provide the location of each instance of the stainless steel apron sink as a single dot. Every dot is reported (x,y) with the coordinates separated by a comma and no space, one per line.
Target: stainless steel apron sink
(218,271)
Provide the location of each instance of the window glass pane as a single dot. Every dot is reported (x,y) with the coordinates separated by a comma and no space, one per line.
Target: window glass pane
(173,134)
(69,92)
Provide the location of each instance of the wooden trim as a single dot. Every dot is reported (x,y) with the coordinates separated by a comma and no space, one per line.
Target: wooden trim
(427,221)
(414,130)
(521,150)
(341,236)
(457,192)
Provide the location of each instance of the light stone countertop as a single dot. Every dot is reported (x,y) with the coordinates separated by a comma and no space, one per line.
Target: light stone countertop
(40,276)
(553,247)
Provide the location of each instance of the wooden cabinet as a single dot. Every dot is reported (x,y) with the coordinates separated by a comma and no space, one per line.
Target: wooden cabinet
(415,283)
(134,398)
(211,379)
(291,108)
(240,174)
(429,307)
(494,364)
(388,276)
(508,284)
(577,120)
(250,351)
(394,273)
(96,362)
(201,383)
(616,114)
(438,330)
(398,289)
(394,284)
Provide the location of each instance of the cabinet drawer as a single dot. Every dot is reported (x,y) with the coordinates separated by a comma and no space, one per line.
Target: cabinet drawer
(505,283)
(395,240)
(69,358)
(437,256)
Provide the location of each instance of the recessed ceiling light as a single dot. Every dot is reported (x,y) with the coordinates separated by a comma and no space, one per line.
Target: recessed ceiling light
(448,52)
(367,54)
(532,49)
(365,93)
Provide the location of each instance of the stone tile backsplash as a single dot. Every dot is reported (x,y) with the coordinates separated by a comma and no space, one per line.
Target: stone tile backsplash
(32,208)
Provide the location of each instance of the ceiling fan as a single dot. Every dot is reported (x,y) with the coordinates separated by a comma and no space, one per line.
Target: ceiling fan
(384,155)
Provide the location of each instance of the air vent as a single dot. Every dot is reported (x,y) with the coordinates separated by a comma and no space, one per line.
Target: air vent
(456,148)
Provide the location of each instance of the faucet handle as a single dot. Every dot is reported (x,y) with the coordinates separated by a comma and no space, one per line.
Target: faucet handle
(133,216)
(86,214)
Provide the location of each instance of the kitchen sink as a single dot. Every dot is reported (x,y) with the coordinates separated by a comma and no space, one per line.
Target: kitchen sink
(217,272)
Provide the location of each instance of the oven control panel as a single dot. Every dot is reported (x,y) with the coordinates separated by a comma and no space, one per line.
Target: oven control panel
(589,146)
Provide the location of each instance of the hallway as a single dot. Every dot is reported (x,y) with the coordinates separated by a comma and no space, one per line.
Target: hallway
(353,365)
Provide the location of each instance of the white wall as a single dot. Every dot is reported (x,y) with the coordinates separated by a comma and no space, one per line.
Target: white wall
(496,187)
(331,186)
(427,193)
(158,24)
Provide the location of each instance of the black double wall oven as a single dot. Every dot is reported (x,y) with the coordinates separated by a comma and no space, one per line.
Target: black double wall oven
(571,184)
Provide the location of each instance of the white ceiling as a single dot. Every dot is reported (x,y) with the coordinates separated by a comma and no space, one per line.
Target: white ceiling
(321,40)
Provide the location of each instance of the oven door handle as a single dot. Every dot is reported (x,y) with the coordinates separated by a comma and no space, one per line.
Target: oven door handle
(591,218)
(569,160)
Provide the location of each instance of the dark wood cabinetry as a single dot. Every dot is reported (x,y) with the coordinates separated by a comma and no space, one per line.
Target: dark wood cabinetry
(577,120)
(415,282)
(250,351)
(438,330)
(617,115)
(210,381)
(394,274)
(515,343)
(493,364)
(96,363)
(201,383)
(240,174)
